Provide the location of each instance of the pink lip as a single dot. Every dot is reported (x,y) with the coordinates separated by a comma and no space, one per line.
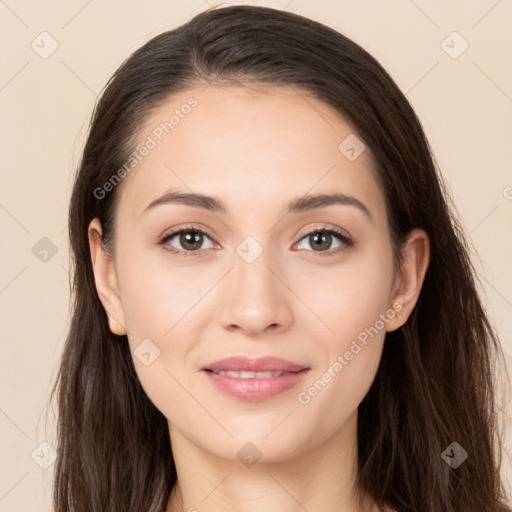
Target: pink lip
(260,364)
(255,389)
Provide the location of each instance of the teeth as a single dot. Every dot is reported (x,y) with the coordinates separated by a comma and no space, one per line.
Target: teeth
(250,375)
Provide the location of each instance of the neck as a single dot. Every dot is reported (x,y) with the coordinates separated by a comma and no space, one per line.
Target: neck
(322,478)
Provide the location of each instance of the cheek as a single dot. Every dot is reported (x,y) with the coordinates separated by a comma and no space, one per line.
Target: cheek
(158,305)
(349,298)
(157,295)
(338,310)
(354,308)
(344,300)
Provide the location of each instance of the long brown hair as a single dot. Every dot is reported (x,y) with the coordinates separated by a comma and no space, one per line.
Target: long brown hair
(435,382)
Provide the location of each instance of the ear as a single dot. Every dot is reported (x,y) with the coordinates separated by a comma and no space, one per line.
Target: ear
(408,283)
(105,279)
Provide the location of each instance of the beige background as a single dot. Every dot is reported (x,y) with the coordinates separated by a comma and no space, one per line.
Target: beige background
(464,103)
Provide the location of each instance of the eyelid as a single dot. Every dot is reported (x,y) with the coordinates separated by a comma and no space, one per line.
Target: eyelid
(168,235)
(324,227)
(344,237)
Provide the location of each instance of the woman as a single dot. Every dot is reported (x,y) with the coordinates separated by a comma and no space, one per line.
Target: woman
(274,307)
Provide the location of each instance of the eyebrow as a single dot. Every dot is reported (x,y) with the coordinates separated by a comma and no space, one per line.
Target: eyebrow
(301,204)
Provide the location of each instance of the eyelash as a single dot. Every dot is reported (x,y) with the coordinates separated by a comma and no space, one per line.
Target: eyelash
(347,243)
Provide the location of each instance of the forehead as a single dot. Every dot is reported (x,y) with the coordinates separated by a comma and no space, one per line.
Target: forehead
(252,147)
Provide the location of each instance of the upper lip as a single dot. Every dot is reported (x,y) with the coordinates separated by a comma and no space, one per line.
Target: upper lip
(261,364)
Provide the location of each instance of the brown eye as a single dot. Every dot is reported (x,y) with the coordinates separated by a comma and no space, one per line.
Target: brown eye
(321,240)
(189,240)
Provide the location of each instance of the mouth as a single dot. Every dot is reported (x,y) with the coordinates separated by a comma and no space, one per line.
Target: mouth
(252,386)
(245,366)
(254,379)
(253,375)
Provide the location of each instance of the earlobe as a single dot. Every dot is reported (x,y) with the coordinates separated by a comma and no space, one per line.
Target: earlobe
(414,264)
(116,327)
(105,279)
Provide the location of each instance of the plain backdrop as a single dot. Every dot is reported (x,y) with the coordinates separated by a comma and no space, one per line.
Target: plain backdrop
(449,58)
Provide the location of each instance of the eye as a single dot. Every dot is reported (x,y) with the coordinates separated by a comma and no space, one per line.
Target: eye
(190,239)
(319,239)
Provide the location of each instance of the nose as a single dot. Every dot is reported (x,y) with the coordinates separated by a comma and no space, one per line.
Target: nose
(256,299)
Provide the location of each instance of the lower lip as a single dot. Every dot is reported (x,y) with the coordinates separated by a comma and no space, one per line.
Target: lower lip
(256,389)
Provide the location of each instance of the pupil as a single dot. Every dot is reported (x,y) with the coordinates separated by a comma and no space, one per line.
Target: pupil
(322,238)
(190,238)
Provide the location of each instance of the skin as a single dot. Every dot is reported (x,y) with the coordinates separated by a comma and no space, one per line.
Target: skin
(256,150)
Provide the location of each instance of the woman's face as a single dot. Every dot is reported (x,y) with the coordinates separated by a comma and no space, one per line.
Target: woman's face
(264,280)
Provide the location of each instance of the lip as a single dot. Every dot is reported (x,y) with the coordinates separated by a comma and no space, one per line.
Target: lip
(255,389)
(260,364)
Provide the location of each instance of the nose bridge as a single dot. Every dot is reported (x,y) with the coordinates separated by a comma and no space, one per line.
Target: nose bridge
(255,296)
